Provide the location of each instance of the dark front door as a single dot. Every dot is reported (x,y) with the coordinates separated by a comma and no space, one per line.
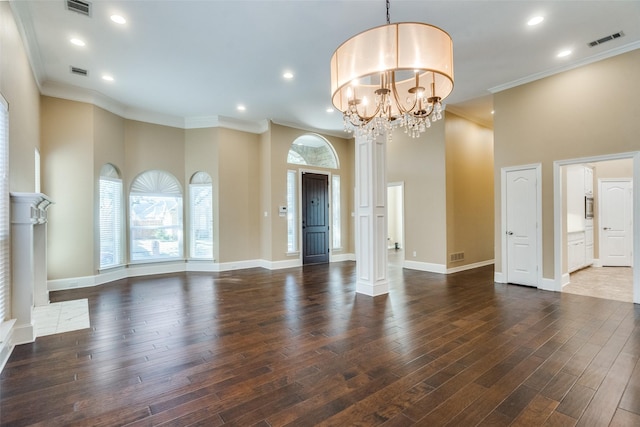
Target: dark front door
(315,218)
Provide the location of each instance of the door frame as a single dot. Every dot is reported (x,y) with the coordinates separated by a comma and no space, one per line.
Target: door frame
(302,171)
(537,167)
(600,231)
(557,215)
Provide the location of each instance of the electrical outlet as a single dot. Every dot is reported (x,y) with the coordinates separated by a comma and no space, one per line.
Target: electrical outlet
(414,254)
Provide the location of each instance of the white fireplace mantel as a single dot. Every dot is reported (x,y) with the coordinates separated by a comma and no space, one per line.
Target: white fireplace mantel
(28,260)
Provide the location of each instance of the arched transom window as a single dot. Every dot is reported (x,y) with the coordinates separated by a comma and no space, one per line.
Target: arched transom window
(312,150)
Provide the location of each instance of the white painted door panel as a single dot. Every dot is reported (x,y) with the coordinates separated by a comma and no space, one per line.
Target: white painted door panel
(521,227)
(616,222)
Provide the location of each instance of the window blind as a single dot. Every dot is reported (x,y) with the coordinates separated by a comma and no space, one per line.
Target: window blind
(111,229)
(5,272)
(201,221)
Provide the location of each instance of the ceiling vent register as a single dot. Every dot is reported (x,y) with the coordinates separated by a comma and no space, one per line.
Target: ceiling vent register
(606,39)
(79,71)
(81,7)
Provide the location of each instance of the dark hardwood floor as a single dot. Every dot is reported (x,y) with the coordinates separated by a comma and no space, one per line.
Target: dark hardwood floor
(299,347)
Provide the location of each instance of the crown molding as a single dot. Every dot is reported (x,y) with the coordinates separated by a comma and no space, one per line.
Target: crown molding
(586,61)
(74,93)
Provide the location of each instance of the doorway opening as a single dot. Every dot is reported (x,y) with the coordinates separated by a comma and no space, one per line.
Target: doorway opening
(594,231)
(395,222)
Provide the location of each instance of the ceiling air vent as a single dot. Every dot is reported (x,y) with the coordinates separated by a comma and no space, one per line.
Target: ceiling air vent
(606,39)
(79,6)
(79,71)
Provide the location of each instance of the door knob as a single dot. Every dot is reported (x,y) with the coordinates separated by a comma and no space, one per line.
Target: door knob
(509,233)
(606,228)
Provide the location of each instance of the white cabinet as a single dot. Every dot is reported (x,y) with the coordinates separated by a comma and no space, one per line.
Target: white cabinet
(579,227)
(576,254)
(588,181)
(588,242)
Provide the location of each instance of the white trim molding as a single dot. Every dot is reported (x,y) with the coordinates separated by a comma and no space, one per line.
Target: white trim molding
(470,266)
(425,266)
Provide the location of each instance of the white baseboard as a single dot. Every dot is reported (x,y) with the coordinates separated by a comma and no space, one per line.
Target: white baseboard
(499,277)
(470,266)
(343,257)
(136,270)
(22,334)
(279,265)
(425,266)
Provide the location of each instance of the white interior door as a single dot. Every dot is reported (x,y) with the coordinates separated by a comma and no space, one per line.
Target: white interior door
(616,223)
(521,227)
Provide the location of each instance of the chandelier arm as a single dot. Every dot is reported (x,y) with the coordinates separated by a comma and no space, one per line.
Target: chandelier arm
(364,119)
(401,109)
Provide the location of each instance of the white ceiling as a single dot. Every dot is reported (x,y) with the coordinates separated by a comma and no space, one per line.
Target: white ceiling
(190,63)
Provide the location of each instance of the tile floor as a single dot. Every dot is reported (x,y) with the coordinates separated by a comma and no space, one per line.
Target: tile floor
(615,283)
(61,317)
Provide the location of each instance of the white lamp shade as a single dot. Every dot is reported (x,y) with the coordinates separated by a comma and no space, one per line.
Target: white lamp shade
(407,48)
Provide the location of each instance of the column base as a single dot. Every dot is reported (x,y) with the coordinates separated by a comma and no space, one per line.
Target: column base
(373,290)
(23,334)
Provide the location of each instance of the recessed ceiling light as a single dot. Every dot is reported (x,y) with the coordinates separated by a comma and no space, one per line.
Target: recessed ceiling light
(535,20)
(563,53)
(107,78)
(241,108)
(77,42)
(118,19)
(288,75)
(493,112)
(330,110)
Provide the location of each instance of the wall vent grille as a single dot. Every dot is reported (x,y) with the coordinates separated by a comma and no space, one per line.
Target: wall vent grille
(79,6)
(79,71)
(456,257)
(606,39)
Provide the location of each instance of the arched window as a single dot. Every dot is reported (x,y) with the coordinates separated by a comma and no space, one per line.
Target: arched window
(312,150)
(111,214)
(155,217)
(201,208)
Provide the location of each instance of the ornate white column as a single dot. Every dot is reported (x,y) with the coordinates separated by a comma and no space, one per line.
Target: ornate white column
(28,260)
(371,216)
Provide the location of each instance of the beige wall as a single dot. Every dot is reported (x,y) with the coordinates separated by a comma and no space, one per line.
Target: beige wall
(589,111)
(469,163)
(420,164)
(266,222)
(239,207)
(68,177)
(19,88)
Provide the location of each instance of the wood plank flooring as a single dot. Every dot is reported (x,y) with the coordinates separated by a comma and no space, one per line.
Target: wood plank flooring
(299,347)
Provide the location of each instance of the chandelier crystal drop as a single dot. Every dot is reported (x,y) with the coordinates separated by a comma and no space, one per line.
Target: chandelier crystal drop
(395,75)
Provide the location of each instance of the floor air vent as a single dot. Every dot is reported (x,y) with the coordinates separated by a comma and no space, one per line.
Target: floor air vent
(79,6)
(79,71)
(606,39)
(456,256)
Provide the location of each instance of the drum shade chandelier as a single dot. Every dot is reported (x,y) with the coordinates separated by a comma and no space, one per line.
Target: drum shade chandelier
(392,75)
